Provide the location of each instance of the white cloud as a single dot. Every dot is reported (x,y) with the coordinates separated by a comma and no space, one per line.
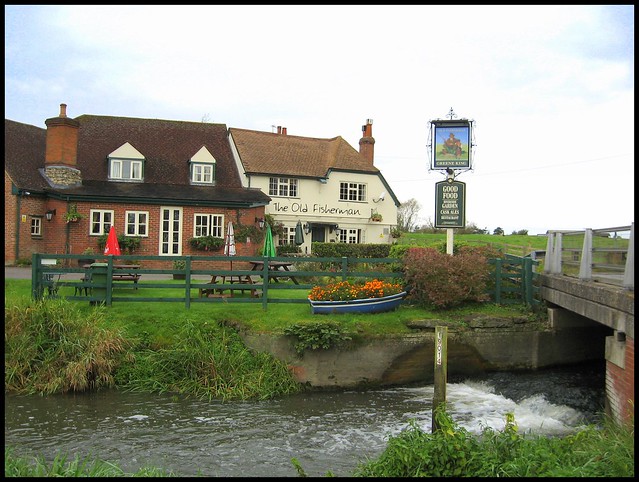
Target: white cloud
(546,85)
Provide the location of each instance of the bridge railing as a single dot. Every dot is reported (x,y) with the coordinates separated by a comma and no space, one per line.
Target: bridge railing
(605,255)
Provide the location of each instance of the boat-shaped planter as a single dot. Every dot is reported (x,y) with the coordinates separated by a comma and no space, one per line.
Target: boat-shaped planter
(368,305)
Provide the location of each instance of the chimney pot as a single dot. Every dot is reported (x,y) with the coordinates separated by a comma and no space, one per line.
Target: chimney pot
(283,131)
(63,110)
(279,129)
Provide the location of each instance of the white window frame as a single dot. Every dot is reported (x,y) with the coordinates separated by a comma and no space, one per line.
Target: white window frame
(203,173)
(288,237)
(36,226)
(353,191)
(170,231)
(100,221)
(205,224)
(283,187)
(138,225)
(350,236)
(117,168)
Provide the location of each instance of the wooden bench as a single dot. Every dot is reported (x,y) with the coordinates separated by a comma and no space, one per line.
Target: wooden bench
(127,277)
(215,291)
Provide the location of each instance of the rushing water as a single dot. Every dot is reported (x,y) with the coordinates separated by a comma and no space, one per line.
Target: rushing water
(325,431)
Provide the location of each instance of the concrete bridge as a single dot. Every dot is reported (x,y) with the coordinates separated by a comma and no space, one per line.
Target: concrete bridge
(600,291)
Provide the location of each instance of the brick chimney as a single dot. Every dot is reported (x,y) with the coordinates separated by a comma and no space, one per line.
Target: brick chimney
(61,155)
(367,143)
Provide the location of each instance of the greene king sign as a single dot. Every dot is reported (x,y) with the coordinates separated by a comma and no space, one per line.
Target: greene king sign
(450,204)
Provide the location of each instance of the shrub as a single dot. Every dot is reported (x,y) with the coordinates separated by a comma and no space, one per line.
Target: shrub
(444,281)
(317,335)
(206,243)
(284,249)
(128,244)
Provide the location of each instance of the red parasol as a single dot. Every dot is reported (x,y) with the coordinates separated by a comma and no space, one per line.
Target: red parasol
(112,246)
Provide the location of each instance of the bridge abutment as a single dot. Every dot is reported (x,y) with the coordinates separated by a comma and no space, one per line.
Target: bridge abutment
(576,303)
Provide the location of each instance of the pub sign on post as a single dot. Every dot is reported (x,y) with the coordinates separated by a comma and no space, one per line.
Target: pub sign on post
(450,204)
(452,144)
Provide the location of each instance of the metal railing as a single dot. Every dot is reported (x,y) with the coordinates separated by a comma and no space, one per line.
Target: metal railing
(603,255)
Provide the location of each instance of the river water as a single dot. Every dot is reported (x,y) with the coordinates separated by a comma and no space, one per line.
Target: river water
(324,431)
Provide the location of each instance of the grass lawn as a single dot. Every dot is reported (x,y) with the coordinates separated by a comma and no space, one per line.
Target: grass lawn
(162,318)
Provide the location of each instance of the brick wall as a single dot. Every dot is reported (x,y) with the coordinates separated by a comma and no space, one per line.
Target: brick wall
(620,386)
(59,237)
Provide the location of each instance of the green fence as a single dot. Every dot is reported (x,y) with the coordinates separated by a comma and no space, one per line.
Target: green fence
(515,280)
(126,279)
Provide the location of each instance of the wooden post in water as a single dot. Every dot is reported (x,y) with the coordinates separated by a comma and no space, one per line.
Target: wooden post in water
(441,366)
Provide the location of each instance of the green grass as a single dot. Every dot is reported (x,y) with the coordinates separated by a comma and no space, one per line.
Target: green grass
(163,319)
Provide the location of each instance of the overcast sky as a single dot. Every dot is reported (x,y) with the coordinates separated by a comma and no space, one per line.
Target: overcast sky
(550,89)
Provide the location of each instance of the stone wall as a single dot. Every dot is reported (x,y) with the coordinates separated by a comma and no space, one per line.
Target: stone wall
(489,344)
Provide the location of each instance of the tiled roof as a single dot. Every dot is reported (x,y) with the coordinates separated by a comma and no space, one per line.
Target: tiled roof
(24,147)
(282,154)
(166,145)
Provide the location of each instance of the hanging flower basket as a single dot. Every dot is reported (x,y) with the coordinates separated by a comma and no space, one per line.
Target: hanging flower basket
(72,215)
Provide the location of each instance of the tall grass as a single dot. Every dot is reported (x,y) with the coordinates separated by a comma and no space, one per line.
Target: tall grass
(50,347)
(208,361)
(16,466)
(452,451)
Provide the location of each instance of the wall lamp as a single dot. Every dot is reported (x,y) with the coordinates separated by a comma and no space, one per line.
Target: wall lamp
(49,214)
(381,197)
(260,222)
(334,227)
(307,228)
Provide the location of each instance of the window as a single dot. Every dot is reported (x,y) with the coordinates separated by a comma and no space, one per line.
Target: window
(287,237)
(208,225)
(352,236)
(282,186)
(36,226)
(125,170)
(101,222)
(352,191)
(137,223)
(202,173)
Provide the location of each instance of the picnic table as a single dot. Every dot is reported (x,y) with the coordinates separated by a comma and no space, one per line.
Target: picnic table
(226,279)
(121,272)
(275,266)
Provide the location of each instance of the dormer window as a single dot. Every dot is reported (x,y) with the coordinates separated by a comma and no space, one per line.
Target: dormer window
(126,164)
(202,166)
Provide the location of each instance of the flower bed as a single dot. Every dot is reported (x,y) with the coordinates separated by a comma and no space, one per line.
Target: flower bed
(345,297)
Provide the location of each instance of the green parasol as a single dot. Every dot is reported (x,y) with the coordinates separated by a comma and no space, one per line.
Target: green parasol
(299,235)
(269,247)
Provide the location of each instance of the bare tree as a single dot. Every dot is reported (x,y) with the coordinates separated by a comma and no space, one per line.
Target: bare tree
(407,215)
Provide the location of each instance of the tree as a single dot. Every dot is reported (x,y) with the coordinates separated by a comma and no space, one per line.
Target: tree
(407,215)
(498,231)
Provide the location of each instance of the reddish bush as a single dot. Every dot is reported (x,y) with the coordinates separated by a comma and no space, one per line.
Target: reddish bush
(443,281)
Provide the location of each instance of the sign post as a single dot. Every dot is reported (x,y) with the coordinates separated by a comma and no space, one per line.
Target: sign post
(451,145)
(450,205)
